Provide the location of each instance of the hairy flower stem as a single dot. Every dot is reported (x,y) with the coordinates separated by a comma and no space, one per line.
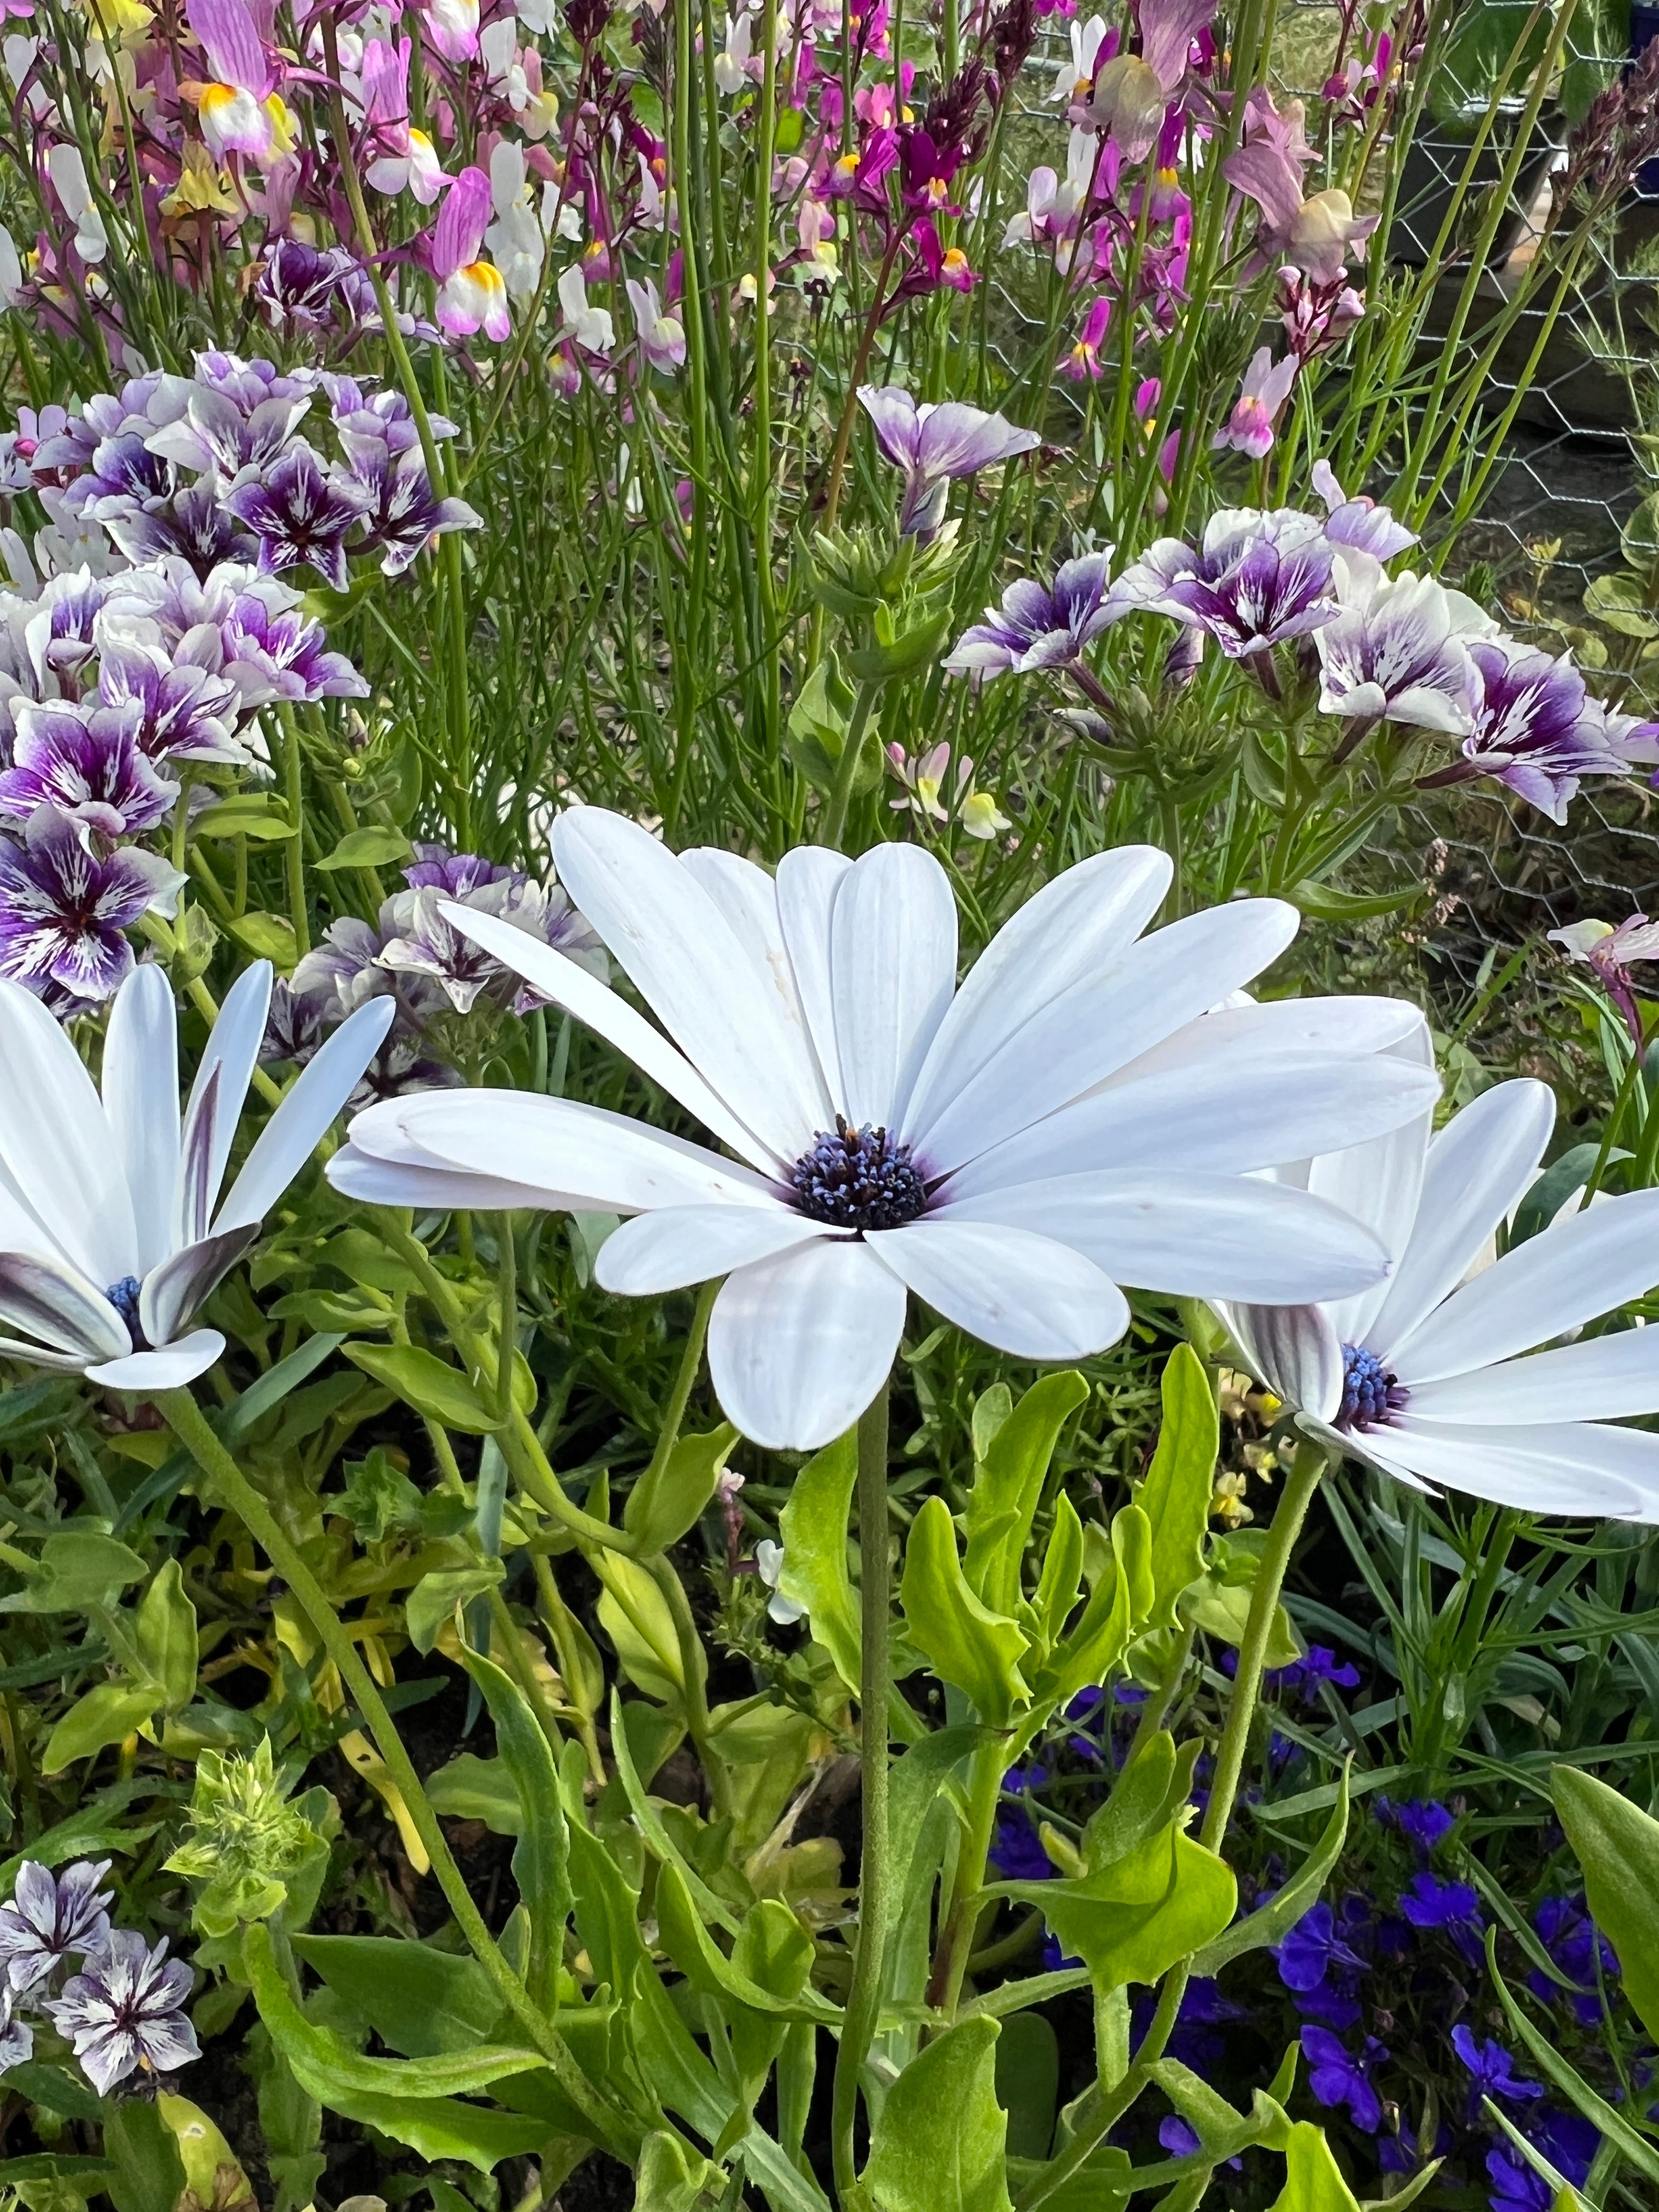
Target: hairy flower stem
(673,1414)
(191,1426)
(863,1998)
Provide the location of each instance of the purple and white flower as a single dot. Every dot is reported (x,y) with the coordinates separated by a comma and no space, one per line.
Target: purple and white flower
(935,445)
(238,624)
(112,1231)
(1610,953)
(1259,578)
(1072,1119)
(86,762)
(1431,1374)
(51,1918)
(1359,525)
(1536,728)
(124,2012)
(402,515)
(301,512)
(1036,627)
(1397,651)
(64,910)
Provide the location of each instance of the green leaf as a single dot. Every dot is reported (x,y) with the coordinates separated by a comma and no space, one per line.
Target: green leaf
(1620,602)
(372,846)
(674,2178)
(940,2143)
(1274,1922)
(707,1967)
(651,1824)
(634,1615)
(1617,1844)
(1132,1919)
(1118,1604)
(325,2065)
(1027,2083)
(437,1391)
(78,1572)
(541,1858)
(1008,1487)
(107,1715)
(965,1642)
(267,936)
(418,2001)
(54,2091)
(913,1789)
(667,1501)
(151,2173)
(166,1637)
(434,1599)
(473,1789)
(249,814)
(1313,2179)
(1176,1492)
(813,1527)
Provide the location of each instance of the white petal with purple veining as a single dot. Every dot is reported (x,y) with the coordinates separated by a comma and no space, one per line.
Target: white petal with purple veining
(46,1300)
(800,1345)
(141,1099)
(1294,1350)
(215,1097)
(164,1369)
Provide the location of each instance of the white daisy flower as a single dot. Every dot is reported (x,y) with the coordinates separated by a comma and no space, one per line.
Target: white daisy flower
(1011,1151)
(1433,1376)
(108,1238)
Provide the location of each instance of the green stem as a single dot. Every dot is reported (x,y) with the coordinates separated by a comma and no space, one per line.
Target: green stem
(190,1425)
(847,769)
(294,782)
(698,1722)
(864,1999)
(673,1414)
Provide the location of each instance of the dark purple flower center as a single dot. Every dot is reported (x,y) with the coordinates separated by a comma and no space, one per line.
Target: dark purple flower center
(858,1179)
(1370,1392)
(124,1297)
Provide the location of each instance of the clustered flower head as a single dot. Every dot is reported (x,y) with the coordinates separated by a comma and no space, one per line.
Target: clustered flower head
(121,2010)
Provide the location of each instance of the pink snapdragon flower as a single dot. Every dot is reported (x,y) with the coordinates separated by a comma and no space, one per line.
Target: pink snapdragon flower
(662,336)
(240,109)
(405,159)
(1267,387)
(471,295)
(1083,360)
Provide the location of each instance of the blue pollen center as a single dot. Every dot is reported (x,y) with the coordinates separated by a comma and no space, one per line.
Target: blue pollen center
(858,1179)
(124,1297)
(1370,1393)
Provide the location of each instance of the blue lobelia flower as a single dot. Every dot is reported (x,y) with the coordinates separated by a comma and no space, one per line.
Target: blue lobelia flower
(1453,1906)
(1341,2080)
(1492,2071)
(1423,1822)
(1570,1937)
(1567,2141)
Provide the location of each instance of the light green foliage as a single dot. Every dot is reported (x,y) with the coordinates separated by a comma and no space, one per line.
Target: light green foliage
(1617,1844)
(940,2143)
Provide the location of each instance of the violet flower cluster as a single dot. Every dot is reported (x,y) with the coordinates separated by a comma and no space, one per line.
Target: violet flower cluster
(411,954)
(116,2000)
(1398,648)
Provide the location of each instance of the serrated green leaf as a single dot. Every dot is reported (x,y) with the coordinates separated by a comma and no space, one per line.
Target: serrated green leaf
(1313,2179)
(940,2143)
(267,936)
(541,1858)
(1175,1494)
(436,1390)
(167,1637)
(964,1641)
(107,1715)
(667,1501)
(813,1527)
(1008,1483)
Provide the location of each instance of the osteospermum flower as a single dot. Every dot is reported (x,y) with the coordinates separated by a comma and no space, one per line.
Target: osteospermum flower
(51,1918)
(1437,1383)
(124,2014)
(1011,1152)
(109,1239)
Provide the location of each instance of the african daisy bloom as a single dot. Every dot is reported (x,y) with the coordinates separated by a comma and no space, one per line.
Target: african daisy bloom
(1437,1383)
(1072,1119)
(471,295)
(109,1240)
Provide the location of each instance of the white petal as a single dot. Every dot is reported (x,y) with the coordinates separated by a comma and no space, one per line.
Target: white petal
(808,880)
(682,1245)
(171,1292)
(1606,1379)
(1294,1351)
(66,1312)
(1579,1469)
(1379,1183)
(748,897)
(1195,1235)
(55,1142)
(799,1345)
(574,1155)
(416,1182)
(1079,1038)
(1024,1294)
(893,971)
(289,1138)
(1213,1114)
(602,1010)
(1278,1028)
(141,1100)
(1476,1170)
(1075,926)
(217,1094)
(687,963)
(163,1370)
(1573,1271)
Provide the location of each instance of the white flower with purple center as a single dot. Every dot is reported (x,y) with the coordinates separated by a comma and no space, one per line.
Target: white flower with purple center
(51,1918)
(1072,1119)
(1433,1376)
(1397,651)
(124,2012)
(1259,578)
(109,1237)
(935,445)
(64,909)
(1038,626)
